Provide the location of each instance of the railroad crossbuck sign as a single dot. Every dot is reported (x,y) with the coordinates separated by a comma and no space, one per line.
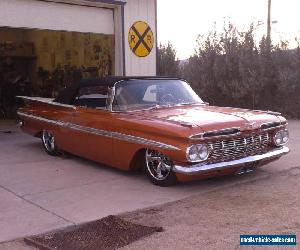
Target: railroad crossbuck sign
(141,39)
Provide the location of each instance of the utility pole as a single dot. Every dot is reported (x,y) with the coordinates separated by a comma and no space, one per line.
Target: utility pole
(269,22)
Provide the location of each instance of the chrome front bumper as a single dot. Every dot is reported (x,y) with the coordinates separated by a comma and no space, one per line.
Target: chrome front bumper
(202,168)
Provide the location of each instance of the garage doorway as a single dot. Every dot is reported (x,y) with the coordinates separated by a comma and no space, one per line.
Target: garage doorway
(40,62)
(46,45)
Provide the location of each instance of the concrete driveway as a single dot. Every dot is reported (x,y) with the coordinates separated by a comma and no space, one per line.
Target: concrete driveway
(39,193)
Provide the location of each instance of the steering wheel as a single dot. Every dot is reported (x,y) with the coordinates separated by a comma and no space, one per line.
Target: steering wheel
(167,98)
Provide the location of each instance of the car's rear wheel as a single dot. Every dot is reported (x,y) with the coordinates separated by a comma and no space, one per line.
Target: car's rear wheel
(159,168)
(49,143)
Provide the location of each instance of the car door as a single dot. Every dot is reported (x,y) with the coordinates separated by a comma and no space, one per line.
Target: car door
(87,132)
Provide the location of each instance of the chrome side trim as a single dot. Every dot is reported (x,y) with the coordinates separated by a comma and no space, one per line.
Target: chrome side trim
(104,133)
(202,168)
(143,141)
(47,101)
(41,119)
(89,130)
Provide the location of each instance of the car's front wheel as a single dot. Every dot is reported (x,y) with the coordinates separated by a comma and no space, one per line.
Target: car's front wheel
(49,143)
(159,168)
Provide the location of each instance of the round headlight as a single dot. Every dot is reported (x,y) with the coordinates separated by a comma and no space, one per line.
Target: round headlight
(196,153)
(277,138)
(281,137)
(285,136)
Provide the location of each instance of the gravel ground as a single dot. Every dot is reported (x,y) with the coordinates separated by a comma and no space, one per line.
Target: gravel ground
(216,219)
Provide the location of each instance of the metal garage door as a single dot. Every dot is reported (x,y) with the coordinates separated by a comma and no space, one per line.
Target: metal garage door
(55,16)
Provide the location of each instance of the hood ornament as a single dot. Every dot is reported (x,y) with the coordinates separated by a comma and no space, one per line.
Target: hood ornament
(250,125)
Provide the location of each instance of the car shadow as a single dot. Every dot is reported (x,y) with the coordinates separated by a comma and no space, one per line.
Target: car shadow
(195,184)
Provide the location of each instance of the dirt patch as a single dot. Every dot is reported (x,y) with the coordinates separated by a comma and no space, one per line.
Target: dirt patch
(216,219)
(108,233)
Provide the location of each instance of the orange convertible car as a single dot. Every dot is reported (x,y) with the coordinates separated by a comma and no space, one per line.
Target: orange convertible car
(159,124)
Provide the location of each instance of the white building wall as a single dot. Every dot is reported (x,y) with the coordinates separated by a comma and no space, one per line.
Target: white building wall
(140,10)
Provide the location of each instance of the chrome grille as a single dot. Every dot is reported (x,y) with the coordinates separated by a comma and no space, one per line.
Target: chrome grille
(237,148)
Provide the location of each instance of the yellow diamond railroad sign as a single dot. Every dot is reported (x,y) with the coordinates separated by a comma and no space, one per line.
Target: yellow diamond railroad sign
(140,39)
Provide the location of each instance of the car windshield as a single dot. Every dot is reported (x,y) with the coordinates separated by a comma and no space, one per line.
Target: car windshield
(147,94)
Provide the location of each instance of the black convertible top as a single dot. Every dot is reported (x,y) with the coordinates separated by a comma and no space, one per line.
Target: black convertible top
(67,95)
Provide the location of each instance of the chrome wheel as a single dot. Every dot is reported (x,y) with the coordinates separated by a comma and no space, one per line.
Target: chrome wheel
(158,165)
(49,142)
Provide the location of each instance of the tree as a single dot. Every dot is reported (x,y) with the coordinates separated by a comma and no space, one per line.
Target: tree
(234,68)
(168,64)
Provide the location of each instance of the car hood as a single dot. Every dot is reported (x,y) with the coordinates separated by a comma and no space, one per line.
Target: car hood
(209,118)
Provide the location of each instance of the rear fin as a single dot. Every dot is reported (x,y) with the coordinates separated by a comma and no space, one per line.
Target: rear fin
(45,100)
